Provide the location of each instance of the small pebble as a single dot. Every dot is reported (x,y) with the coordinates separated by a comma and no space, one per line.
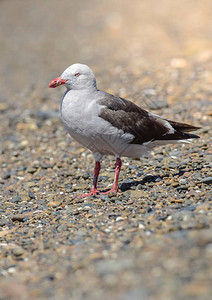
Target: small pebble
(207,180)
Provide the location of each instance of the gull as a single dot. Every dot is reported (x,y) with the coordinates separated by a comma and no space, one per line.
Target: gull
(110,125)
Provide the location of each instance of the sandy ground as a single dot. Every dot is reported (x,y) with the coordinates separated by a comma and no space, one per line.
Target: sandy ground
(152,241)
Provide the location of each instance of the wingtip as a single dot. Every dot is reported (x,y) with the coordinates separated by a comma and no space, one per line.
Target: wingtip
(191,136)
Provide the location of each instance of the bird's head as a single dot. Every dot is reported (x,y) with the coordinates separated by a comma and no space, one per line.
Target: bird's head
(75,77)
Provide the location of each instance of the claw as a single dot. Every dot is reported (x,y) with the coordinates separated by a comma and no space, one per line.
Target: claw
(93,192)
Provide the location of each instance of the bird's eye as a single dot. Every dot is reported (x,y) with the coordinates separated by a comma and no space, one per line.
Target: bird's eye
(77,74)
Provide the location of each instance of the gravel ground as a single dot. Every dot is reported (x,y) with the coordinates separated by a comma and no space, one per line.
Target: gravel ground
(154,239)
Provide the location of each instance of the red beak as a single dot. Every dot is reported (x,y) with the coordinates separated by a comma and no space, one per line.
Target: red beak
(56,82)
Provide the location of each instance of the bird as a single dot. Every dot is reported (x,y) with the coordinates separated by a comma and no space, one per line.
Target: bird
(110,125)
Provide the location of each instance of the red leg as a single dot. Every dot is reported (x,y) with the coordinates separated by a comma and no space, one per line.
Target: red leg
(94,190)
(116,178)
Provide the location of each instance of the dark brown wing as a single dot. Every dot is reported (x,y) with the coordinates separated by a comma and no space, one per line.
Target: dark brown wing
(183,126)
(143,125)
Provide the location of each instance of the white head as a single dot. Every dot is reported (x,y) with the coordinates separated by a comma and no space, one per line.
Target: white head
(75,77)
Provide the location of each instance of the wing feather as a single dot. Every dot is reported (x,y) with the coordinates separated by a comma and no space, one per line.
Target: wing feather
(144,126)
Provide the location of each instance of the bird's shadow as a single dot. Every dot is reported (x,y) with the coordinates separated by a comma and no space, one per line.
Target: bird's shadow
(147,179)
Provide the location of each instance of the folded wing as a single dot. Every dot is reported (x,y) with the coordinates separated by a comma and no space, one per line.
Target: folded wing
(144,126)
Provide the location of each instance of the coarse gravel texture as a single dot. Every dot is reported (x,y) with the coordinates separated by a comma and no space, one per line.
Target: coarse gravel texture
(154,239)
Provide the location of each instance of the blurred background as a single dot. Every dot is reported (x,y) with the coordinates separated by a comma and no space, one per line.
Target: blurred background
(152,240)
(39,39)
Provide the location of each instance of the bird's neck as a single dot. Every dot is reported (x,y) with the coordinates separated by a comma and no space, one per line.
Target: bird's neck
(85,89)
